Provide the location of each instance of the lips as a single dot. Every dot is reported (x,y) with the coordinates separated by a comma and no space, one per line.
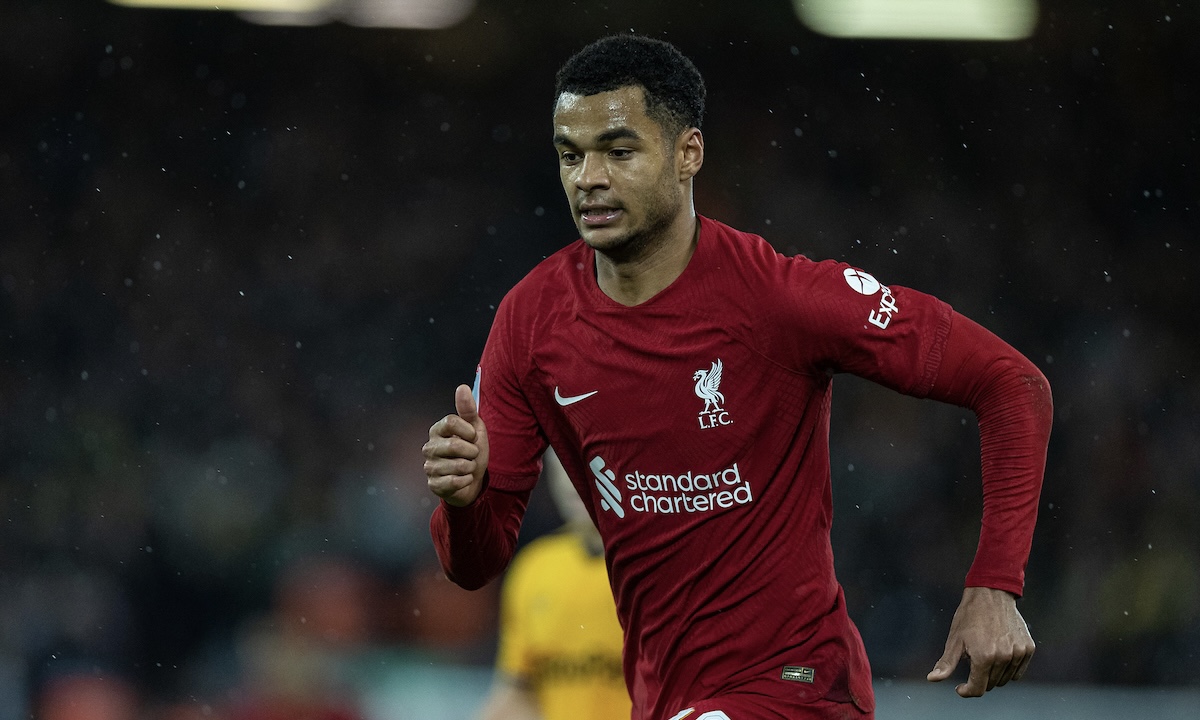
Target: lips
(598,215)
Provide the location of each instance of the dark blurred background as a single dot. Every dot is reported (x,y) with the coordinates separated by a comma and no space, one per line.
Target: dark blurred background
(243,268)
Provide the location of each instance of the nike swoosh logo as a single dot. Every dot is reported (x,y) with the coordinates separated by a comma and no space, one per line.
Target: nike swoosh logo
(565,401)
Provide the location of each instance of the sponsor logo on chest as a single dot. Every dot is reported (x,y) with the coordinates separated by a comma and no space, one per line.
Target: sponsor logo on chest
(670,493)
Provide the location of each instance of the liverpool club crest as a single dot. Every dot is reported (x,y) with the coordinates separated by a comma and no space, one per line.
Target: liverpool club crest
(708,389)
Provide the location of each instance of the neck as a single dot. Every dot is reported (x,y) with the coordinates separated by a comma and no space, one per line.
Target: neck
(634,280)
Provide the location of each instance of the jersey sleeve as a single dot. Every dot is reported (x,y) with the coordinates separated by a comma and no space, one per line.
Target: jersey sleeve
(517,442)
(843,319)
(475,543)
(848,321)
(1011,399)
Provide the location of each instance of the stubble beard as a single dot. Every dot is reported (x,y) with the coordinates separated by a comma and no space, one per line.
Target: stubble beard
(641,242)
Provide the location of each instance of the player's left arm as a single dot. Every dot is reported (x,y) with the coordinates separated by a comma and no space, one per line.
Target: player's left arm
(1011,399)
(846,321)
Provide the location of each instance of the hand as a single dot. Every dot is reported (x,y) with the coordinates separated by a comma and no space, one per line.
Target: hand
(989,631)
(456,455)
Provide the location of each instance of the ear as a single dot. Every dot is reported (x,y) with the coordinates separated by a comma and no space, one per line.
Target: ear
(689,149)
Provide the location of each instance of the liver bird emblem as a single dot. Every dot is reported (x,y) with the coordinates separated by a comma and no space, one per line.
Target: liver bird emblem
(708,384)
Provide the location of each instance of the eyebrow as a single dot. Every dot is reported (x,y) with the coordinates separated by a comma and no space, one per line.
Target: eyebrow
(608,136)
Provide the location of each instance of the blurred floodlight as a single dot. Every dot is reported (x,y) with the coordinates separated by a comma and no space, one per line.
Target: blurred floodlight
(293,19)
(425,14)
(419,14)
(283,6)
(921,19)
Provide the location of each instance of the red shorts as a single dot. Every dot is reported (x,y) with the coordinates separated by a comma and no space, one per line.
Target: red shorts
(753,707)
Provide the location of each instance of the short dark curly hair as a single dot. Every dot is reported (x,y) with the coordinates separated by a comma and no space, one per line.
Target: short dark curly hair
(674,89)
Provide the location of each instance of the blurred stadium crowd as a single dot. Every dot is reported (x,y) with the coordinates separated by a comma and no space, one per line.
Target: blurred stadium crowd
(242,269)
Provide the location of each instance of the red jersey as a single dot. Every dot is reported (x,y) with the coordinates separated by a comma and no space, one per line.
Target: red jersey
(695,428)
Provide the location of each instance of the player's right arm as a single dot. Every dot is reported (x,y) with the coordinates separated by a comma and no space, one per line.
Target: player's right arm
(475,527)
(484,474)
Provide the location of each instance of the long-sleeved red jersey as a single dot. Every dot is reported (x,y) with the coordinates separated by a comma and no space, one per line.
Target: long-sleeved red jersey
(695,428)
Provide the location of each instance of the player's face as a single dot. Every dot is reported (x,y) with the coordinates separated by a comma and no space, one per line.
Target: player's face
(619,171)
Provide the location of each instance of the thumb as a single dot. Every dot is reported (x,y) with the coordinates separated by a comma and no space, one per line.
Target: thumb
(946,664)
(464,404)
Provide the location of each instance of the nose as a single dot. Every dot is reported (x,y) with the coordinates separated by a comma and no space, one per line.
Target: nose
(592,173)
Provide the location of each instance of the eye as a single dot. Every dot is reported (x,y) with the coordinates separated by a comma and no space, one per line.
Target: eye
(568,158)
(620,152)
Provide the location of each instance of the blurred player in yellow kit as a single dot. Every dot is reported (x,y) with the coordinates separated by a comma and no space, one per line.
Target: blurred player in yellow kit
(560,644)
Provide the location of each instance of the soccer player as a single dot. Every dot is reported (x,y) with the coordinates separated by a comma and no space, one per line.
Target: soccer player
(560,644)
(682,371)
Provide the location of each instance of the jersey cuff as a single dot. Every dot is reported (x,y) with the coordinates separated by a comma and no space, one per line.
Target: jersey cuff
(469,507)
(995,582)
